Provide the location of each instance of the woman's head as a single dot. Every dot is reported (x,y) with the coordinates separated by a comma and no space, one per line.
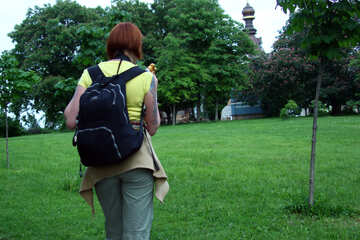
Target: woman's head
(124,37)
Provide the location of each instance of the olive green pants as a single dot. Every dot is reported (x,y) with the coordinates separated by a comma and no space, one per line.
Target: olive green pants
(127,203)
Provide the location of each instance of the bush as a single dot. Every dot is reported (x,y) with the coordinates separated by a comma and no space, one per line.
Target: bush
(38,130)
(291,109)
(322,109)
(14,127)
(353,106)
(284,113)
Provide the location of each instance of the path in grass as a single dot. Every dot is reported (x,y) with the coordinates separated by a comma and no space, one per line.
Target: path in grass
(229,180)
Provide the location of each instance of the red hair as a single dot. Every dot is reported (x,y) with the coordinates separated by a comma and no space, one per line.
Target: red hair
(124,36)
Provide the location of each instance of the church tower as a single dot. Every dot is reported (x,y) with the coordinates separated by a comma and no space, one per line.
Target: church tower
(249,16)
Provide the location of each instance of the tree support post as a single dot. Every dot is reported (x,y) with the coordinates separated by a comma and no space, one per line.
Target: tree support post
(313,145)
(173,115)
(217,110)
(7,138)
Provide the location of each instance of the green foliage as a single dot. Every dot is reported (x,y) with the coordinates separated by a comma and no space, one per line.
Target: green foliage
(353,106)
(228,180)
(226,61)
(47,41)
(291,109)
(322,108)
(49,96)
(322,209)
(92,46)
(322,21)
(285,74)
(133,11)
(15,84)
(339,83)
(15,90)
(328,30)
(200,52)
(177,72)
(289,73)
(354,68)
(31,125)
(284,114)
(58,41)
(143,16)
(30,121)
(14,127)
(355,65)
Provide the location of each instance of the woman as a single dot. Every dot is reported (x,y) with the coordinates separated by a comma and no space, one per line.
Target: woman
(125,190)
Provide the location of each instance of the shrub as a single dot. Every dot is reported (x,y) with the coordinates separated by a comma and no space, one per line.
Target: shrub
(322,109)
(353,106)
(38,130)
(291,109)
(14,127)
(284,113)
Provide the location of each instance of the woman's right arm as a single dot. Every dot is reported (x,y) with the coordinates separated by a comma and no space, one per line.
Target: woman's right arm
(72,109)
(152,115)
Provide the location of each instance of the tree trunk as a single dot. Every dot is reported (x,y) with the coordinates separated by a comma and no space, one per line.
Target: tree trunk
(313,145)
(168,116)
(217,111)
(7,138)
(198,112)
(336,108)
(173,114)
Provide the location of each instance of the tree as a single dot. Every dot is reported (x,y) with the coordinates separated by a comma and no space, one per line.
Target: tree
(193,23)
(355,64)
(286,74)
(210,49)
(14,84)
(142,16)
(330,27)
(177,71)
(226,61)
(354,68)
(214,44)
(47,40)
(58,42)
(338,83)
(51,95)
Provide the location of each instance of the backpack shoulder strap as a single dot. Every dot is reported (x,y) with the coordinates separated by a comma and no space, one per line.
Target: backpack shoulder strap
(95,73)
(130,73)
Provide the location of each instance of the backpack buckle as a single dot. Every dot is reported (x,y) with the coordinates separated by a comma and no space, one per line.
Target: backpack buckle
(74,141)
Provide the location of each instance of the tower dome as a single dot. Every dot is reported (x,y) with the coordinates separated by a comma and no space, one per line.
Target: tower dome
(248,11)
(249,16)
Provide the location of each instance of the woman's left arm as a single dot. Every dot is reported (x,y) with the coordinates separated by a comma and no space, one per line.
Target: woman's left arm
(152,116)
(72,109)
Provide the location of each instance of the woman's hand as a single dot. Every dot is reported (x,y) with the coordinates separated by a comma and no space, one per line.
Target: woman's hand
(152,68)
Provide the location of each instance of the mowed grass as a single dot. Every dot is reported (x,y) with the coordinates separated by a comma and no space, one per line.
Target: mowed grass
(244,179)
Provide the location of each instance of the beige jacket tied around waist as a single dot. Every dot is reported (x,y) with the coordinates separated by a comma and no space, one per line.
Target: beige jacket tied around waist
(141,159)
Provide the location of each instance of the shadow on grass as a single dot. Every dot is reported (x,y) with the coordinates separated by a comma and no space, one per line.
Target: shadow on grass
(322,209)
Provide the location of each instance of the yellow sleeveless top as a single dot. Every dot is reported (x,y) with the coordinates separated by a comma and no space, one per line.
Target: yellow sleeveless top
(135,88)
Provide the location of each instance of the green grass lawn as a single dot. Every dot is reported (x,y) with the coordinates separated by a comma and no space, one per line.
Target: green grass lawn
(243,179)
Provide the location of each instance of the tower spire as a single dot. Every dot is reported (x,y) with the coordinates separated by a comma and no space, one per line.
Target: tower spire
(249,16)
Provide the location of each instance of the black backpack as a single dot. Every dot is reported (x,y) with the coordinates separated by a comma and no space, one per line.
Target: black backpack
(104,134)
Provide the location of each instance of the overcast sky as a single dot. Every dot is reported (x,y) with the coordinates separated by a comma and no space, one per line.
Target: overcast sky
(268,20)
